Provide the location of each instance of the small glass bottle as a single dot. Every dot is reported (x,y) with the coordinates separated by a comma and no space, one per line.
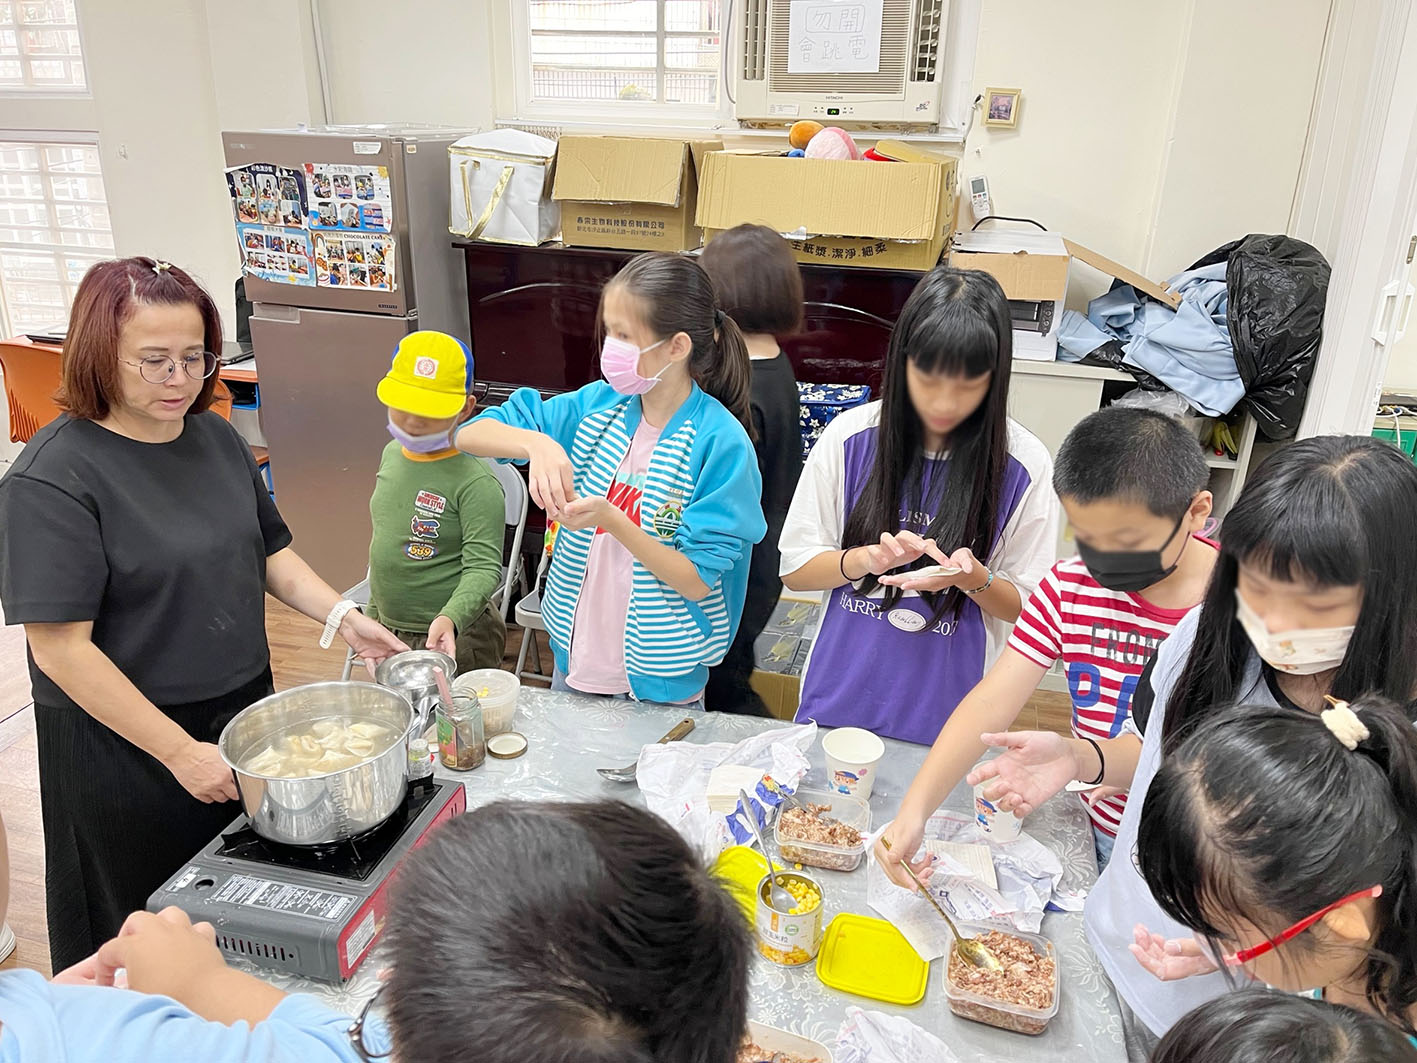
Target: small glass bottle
(420,759)
(461,742)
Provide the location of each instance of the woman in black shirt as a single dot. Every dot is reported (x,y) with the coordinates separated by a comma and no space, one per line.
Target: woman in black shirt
(137,542)
(760,287)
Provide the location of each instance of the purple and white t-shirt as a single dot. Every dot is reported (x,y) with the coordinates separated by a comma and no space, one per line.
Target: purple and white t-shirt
(897,672)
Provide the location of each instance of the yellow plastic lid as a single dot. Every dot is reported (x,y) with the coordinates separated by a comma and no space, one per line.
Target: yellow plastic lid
(871,958)
(740,869)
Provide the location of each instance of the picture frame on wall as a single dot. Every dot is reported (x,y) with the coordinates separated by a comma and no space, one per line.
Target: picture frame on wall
(1001,107)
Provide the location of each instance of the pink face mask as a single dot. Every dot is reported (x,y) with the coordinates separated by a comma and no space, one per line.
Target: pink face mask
(620,365)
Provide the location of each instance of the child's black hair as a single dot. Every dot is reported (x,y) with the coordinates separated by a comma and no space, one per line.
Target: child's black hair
(1266,1026)
(542,933)
(1131,455)
(757,278)
(678,296)
(955,322)
(1263,814)
(1335,511)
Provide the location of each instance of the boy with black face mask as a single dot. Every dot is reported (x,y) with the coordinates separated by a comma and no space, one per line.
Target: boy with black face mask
(1132,483)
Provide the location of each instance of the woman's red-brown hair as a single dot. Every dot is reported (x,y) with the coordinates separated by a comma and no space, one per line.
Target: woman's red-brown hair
(89,384)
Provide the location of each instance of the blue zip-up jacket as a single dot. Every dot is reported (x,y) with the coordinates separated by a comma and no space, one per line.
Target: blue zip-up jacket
(702,495)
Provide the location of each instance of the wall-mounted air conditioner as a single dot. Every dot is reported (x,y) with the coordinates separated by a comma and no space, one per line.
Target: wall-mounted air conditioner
(817,59)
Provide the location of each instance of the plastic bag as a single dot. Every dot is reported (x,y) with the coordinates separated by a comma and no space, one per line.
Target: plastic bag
(1277,288)
(1167,402)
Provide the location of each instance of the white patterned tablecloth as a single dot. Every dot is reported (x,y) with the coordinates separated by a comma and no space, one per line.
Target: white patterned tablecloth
(570,736)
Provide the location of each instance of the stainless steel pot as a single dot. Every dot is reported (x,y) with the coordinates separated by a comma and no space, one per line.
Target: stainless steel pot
(411,674)
(323,808)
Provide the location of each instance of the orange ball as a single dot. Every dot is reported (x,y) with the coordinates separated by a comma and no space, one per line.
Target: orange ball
(802,132)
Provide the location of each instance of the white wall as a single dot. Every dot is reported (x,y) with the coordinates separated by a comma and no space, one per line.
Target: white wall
(1129,140)
(1401,371)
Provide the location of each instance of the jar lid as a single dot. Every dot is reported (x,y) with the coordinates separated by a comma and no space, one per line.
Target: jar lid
(507,746)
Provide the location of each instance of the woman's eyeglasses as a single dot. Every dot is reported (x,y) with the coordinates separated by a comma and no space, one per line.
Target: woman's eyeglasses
(1235,959)
(158,368)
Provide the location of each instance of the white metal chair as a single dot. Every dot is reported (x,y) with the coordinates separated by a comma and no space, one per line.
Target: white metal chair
(515,500)
(528,618)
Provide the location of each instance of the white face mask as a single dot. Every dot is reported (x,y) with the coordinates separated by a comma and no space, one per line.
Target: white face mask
(1303,651)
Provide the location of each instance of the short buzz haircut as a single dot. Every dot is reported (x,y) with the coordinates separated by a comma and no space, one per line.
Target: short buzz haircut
(528,932)
(109,293)
(756,278)
(1126,454)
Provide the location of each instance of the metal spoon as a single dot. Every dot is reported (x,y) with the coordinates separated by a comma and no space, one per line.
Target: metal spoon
(627,773)
(778,897)
(970,950)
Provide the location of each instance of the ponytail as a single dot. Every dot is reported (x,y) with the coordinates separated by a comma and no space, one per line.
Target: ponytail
(1267,813)
(678,296)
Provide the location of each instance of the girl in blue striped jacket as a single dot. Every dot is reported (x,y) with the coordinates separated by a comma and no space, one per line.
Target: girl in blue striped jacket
(654,481)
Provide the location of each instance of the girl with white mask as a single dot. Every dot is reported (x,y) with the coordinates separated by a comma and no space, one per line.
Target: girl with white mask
(1313,596)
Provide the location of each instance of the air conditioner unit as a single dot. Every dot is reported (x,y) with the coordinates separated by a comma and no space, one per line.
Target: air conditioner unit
(901,94)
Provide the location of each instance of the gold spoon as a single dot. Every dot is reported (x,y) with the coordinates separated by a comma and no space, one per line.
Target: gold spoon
(970,950)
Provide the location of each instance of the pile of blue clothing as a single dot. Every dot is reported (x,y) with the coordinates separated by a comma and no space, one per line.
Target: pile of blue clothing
(1188,349)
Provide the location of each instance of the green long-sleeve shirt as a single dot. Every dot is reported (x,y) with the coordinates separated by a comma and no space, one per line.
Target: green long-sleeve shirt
(437,543)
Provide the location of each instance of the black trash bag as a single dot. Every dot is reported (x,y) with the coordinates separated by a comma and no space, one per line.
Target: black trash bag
(1277,287)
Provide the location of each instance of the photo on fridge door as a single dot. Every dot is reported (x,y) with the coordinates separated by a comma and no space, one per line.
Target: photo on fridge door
(349,197)
(276,254)
(354,260)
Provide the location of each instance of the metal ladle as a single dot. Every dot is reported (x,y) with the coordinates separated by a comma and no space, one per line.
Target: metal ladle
(970,950)
(778,897)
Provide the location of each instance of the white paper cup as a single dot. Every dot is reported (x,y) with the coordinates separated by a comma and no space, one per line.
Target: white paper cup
(853,755)
(999,825)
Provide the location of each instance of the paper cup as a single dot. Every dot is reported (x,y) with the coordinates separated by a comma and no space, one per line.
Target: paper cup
(999,825)
(853,755)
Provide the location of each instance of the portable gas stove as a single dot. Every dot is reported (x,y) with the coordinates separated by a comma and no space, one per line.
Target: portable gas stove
(313,911)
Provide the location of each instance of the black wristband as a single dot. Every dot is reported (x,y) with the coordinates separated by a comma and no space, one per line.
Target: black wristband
(1101,761)
(841,564)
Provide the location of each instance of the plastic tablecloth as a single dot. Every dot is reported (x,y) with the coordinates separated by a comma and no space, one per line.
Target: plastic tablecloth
(570,736)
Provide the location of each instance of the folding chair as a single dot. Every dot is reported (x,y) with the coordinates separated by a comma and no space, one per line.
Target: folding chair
(528,618)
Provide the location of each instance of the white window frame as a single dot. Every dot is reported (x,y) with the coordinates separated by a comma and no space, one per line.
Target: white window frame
(511,21)
(59,92)
(54,136)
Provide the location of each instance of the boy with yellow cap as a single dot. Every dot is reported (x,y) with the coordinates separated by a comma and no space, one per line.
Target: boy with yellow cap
(438,514)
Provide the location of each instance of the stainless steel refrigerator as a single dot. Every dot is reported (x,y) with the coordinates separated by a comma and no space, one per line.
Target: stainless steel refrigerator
(308,203)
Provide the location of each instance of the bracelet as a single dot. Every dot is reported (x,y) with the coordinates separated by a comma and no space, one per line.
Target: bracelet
(1101,761)
(987,584)
(334,620)
(842,565)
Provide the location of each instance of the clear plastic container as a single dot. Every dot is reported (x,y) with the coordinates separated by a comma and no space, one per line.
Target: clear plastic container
(971,1004)
(497,693)
(851,811)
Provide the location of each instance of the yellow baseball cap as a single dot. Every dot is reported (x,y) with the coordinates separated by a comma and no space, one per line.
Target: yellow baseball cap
(431,375)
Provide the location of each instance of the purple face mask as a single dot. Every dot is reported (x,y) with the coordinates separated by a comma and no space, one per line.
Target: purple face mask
(420,444)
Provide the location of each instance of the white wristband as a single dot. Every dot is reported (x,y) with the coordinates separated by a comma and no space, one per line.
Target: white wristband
(334,620)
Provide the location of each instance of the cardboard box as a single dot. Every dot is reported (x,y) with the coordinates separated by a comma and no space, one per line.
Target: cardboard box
(637,193)
(1032,268)
(886,215)
(782,651)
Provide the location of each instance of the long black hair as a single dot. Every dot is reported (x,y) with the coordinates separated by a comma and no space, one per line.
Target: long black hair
(955,322)
(1333,510)
(1263,813)
(542,932)
(1266,1026)
(678,296)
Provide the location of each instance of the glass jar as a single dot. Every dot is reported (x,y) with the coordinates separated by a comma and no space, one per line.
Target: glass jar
(461,742)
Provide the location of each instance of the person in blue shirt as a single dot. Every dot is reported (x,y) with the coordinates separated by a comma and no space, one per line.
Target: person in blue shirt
(653,480)
(593,935)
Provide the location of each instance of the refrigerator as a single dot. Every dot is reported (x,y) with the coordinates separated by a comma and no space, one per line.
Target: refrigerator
(345,249)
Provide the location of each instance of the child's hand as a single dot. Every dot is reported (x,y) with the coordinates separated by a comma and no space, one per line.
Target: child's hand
(896,550)
(550,476)
(971,573)
(1034,766)
(898,844)
(442,636)
(163,954)
(1171,960)
(594,511)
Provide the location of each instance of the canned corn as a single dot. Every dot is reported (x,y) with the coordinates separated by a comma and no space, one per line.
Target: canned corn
(790,939)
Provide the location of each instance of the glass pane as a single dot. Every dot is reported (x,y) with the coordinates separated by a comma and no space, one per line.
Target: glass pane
(559,84)
(596,53)
(11,72)
(701,90)
(691,53)
(691,16)
(39,45)
(604,15)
